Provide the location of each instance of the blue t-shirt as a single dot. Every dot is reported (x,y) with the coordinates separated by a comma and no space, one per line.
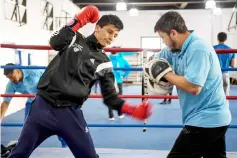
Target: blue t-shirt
(198,63)
(27,86)
(224,59)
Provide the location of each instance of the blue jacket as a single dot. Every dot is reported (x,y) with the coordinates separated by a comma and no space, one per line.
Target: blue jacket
(118,61)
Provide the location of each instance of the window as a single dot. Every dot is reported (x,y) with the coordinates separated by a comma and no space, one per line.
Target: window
(15,10)
(151,42)
(47,15)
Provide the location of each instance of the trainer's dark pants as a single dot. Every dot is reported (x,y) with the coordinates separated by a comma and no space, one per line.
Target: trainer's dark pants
(197,142)
(45,120)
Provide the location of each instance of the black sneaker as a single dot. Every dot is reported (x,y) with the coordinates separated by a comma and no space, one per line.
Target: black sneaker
(168,102)
(4,151)
(11,145)
(164,102)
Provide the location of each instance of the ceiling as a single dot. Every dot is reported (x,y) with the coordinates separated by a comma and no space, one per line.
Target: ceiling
(110,5)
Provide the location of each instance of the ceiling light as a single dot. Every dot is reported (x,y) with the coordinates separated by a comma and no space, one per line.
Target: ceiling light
(210,4)
(217,11)
(121,6)
(133,12)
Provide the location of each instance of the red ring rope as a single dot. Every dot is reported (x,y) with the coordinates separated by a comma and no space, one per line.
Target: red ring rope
(46,47)
(121,96)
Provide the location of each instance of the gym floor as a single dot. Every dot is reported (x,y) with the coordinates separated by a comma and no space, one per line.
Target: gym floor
(124,142)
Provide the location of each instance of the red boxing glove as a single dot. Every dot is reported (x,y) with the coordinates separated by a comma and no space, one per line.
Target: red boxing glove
(87,14)
(141,112)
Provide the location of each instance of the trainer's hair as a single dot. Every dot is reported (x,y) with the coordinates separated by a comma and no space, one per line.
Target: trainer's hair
(171,20)
(222,37)
(110,19)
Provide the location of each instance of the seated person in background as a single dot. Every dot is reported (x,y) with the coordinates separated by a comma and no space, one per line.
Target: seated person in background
(226,60)
(24,81)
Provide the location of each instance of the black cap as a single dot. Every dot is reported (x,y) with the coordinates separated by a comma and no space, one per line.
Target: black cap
(6,71)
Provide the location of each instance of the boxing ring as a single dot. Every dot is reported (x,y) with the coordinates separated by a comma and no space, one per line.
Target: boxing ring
(152,126)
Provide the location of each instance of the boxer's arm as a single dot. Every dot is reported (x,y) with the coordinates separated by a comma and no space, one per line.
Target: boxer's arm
(108,90)
(62,39)
(110,94)
(141,111)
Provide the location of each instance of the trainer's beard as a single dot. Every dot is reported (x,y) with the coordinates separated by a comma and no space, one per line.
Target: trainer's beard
(173,49)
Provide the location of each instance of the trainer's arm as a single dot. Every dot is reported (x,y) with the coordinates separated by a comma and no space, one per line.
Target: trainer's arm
(165,53)
(198,65)
(182,83)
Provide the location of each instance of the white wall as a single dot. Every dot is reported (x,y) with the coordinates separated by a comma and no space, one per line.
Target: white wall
(30,34)
(143,25)
(134,29)
(206,25)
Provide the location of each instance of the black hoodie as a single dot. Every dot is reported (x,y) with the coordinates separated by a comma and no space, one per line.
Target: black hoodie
(69,77)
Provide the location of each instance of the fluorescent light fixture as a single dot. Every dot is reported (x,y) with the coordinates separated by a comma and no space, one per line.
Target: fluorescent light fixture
(210,4)
(217,11)
(121,6)
(133,12)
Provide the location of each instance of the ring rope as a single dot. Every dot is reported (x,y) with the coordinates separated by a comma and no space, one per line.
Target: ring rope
(117,125)
(47,47)
(120,96)
(124,69)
